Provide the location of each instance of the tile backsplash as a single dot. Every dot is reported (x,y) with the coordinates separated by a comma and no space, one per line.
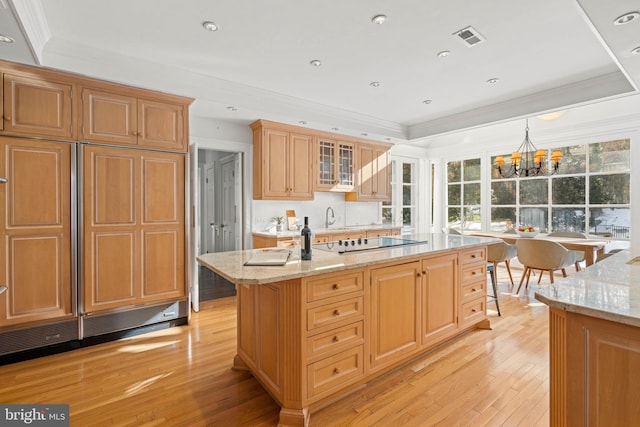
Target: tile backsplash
(346,213)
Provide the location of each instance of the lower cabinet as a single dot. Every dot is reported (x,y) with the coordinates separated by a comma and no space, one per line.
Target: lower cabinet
(310,339)
(133,227)
(395,299)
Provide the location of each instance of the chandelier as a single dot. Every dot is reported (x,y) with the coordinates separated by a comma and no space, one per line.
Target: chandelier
(528,160)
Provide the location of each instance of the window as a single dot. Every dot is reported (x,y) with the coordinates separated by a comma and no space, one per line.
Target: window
(590,193)
(402,209)
(463,194)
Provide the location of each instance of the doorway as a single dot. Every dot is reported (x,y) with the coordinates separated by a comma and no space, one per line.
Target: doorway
(218,201)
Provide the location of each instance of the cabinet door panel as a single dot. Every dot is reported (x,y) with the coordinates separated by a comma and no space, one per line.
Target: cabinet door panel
(394,300)
(160,125)
(163,188)
(276,160)
(439,298)
(300,159)
(111,186)
(35,230)
(37,107)
(161,260)
(107,117)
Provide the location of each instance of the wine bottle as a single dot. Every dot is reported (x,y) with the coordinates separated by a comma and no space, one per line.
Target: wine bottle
(305,248)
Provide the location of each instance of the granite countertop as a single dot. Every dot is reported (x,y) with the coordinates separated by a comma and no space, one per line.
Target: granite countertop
(230,265)
(329,230)
(608,290)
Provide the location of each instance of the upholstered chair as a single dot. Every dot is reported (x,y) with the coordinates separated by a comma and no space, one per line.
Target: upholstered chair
(545,255)
(575,235)
(501,252)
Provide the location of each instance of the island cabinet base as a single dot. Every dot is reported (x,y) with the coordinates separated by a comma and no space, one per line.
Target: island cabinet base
(594,371)
(312,339)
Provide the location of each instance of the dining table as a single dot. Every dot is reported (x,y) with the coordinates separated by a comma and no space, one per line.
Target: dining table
(592,247)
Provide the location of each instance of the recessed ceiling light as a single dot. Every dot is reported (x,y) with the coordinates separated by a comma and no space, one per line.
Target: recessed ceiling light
(379,19)
(374,84)
(303,122)
(426,101)
(635,51)
(316,62)
(364,134)
(6,39)
(232,108)
(493,80)
(444,54)
(335,129)
(210,25)
(387,139)
(626,18)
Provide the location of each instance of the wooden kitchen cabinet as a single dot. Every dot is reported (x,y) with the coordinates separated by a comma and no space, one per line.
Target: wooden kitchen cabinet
(281,163)
(38,105)
(473,286)
(133,227)
(35,227)
(373,178)
(439,300)
(335,162)
(395,304)
(124,118)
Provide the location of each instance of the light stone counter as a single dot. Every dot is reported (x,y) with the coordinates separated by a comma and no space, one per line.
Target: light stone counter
(230,265)
(608,290)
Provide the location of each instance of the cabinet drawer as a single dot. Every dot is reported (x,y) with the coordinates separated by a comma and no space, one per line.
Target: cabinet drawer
(474,255)
(474,290)
(324,238)
(332,286)
(335,372)
(473,311)
(473,273)
(334,340)
(348,311)
(378,233)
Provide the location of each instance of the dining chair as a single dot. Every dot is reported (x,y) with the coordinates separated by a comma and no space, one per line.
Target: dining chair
(501,252)
(545,255)
(575,235)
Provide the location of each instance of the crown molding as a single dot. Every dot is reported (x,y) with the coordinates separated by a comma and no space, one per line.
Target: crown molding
(568,96)
(30,14)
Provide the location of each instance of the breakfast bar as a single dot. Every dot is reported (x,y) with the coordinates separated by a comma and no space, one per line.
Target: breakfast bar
(311,331)
(594,329)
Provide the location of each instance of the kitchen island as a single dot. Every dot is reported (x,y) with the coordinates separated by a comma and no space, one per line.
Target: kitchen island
(594,330)
(311,331)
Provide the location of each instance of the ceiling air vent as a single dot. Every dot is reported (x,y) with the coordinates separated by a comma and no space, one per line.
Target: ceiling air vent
(470,36)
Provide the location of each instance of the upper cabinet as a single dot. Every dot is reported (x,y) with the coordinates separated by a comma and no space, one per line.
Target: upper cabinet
(373,181)
(119,118)
(336,163)
(281,163)
(36,105)
(38,102)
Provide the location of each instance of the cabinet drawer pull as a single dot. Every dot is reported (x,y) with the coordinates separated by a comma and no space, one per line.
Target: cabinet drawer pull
(473,289)
(336,371)
(473,273)
(336,286)
(473,310)
(3,180)
(336,312)
(473,255)
(336,338)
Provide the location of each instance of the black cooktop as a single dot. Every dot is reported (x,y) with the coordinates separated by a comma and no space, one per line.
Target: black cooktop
(366,244)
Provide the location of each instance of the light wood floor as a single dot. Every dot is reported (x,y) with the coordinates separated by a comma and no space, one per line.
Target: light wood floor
(181,376)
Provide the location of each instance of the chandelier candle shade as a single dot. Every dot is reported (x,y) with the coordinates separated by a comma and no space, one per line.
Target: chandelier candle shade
(528,160)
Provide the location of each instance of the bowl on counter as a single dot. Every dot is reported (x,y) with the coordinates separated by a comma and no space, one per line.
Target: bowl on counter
(527,233)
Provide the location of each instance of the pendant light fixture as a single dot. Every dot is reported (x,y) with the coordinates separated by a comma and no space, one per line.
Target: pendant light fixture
(528,161)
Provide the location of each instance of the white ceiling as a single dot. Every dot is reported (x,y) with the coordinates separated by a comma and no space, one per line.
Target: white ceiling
(547,55)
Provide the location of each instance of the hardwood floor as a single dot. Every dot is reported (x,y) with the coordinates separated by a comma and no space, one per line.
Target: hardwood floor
(181,377)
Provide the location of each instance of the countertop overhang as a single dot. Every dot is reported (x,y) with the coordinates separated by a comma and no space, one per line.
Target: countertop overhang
(608,290)
(230,265)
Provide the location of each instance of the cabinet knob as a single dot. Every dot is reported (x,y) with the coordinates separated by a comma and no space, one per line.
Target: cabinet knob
(418,274)
(424,273)
(336,371)
(336,312)
(336,338)
(473,289)
(473,310)
(473,273)
(336,286)
(473,255)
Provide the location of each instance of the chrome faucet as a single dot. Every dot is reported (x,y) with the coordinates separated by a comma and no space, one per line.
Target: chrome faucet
(328,221)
